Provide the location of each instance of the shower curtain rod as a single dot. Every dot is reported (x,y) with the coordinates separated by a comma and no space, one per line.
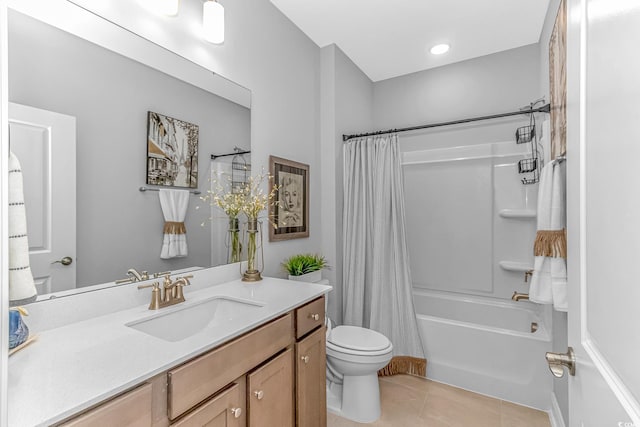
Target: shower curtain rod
(544,109)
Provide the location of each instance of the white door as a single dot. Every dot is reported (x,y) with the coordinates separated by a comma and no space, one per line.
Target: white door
(45,144)
(603,137)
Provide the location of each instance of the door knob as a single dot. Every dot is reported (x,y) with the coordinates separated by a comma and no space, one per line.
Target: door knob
(558,360)
(314,316)
(64,261)
(305,359)
(259,394)
(236,412)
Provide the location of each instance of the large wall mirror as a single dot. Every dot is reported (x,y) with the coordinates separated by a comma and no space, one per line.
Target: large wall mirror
(78,125)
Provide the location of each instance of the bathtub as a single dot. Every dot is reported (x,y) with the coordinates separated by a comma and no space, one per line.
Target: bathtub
(486,345)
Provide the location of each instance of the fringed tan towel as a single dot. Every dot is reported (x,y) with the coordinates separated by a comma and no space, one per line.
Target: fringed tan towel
(551,243)
(174,205)
(405,365)
(549,279)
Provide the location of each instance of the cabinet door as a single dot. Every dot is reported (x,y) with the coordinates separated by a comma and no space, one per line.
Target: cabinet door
(311,399)
(270,389)
(223,410)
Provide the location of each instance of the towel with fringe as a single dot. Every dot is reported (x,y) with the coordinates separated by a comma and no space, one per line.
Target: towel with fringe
(174,205)
(22,289)
(549,279)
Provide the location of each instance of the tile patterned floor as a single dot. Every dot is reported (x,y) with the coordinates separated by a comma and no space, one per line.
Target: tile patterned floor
(409,401)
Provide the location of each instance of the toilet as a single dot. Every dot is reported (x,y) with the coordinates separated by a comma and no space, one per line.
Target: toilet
(354,356)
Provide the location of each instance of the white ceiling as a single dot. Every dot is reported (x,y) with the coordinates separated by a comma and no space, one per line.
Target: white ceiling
(390,38)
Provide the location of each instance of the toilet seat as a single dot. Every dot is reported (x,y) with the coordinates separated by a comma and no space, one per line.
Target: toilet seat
(354,340)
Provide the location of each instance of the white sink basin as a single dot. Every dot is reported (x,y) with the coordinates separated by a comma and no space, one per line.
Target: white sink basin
(182,322)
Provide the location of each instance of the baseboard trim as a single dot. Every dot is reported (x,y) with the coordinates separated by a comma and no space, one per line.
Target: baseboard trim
(555,414)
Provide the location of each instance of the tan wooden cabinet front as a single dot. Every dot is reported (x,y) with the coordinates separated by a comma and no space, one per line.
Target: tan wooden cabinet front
(226,409)
(132,409)
(270,393)
(311,410)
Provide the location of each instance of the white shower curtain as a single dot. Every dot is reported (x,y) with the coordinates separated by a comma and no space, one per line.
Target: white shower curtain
(377,280)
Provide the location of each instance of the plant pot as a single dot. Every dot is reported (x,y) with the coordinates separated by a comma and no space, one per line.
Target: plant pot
(314,276)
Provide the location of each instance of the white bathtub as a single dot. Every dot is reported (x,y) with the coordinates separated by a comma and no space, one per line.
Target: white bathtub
(486,345)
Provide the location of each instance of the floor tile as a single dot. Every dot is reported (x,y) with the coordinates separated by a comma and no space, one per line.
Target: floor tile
(520,416)
(409,401)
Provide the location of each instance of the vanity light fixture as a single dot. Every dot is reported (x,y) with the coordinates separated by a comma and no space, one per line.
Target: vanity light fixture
(213,21)
(439,49)
(164,7)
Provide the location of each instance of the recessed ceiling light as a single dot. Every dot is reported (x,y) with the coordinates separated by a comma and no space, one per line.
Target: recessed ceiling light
(439,49)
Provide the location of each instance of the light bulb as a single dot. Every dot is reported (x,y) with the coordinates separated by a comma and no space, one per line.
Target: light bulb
(439,49)
(213,22)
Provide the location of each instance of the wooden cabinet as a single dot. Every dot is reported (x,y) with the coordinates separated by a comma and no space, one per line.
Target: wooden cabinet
(225,409)
(311,409)
(272,376)
(129,409)
(309,317)
(270,393)
(200,378)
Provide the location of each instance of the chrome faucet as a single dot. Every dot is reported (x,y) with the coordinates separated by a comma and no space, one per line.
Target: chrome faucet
(170,293)
(518,296)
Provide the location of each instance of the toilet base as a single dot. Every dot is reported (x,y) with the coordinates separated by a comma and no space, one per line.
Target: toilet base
(357,399)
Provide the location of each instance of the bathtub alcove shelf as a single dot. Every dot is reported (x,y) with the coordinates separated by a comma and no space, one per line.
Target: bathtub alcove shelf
(515,266)
(518,213)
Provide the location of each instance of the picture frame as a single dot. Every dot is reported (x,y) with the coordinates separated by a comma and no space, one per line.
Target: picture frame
(290,212)
(172,151)
(558,82)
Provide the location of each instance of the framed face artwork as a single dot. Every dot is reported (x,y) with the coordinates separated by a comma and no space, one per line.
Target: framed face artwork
(290,213)
(172,152)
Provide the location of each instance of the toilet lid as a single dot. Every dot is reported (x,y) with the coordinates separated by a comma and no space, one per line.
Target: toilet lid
(357,338)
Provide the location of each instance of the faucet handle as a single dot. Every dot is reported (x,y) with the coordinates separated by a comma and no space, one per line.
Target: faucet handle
(185,280)
(154,285)
(155,295)
(162,273)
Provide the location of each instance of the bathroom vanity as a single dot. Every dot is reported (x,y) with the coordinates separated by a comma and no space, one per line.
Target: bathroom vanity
(259,360)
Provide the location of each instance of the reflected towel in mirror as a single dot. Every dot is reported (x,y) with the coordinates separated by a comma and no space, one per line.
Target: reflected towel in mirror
(22,289)
(174,205)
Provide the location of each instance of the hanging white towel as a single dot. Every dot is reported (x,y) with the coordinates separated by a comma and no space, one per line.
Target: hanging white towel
(174,205)
(22,289)
(549,279)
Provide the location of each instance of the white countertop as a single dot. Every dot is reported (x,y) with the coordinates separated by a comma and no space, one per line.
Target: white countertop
(75,366)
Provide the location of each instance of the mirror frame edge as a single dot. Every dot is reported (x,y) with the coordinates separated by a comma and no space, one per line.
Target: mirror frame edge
(4,220)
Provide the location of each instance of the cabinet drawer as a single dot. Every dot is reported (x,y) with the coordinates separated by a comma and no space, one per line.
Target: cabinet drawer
(226,409)
(194,381)
(309,316)
(130,409)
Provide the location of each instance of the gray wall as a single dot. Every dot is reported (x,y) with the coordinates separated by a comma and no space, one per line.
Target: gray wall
(491,84)
(559,326)
(118,226)
(346,106)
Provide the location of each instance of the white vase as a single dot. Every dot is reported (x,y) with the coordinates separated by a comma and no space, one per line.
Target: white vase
(314,276)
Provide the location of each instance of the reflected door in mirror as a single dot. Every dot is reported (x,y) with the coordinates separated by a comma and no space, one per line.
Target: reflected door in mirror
(45,144)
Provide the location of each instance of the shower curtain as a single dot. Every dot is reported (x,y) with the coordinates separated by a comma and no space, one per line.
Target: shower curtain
(376,276)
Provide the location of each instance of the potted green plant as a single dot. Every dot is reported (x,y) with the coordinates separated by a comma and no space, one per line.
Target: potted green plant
(305,267)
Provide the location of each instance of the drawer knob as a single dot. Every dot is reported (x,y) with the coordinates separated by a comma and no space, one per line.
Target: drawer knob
(259,394)
(315,316)
(305,359)
(236,412)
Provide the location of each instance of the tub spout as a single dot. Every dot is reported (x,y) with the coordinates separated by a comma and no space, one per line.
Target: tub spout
(517,296)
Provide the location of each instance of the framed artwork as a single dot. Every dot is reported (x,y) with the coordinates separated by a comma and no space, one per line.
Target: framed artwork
(291,213)
(172,152)
(558,82)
